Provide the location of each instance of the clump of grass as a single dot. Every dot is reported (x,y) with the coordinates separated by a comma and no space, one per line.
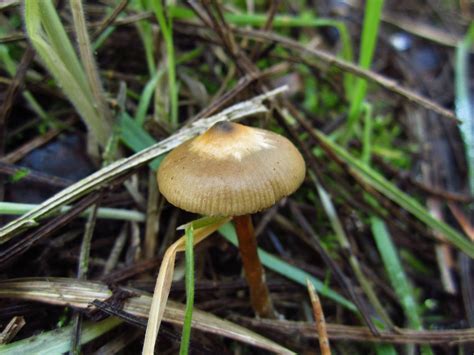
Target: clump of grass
(79,80)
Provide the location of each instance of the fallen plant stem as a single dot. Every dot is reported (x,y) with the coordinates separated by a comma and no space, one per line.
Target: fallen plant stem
(328,58)
(14,208)
(319,319)
(362,334)
(116,169)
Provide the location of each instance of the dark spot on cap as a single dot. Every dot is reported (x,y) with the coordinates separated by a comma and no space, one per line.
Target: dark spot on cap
(224,126)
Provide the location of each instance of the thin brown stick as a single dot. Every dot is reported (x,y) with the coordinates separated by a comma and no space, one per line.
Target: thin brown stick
(320,320)
(33,175)
(154,208)
(256,50)
(338,332)
(462,219)
(12,92)
(36,142)
(110,19)
(254,273)
(12,329)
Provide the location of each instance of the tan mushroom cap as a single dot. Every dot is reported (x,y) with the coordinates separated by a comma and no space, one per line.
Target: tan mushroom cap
(231,170)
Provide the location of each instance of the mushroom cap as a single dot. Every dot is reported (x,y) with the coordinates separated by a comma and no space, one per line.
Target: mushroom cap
(231,170)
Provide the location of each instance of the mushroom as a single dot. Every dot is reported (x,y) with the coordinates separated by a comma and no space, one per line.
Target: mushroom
(234,170)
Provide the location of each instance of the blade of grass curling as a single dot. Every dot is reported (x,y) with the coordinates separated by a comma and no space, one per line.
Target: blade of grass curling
(377,181)
(397,276)
(464,102)
(57,341)
(373,11)
(163,284)
(189,277)
(291,272)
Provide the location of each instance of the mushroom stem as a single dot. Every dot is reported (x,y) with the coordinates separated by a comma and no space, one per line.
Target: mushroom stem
(254,273)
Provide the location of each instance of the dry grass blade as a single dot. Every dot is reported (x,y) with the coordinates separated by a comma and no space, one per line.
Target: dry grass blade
(164,280)
(112,171)
(80,294)
(363,334)
(12,329)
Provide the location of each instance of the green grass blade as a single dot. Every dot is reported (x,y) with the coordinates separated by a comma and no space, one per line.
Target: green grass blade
(373,11)
(63,63)
(99,41)
(377,181)
(367,135)
(146,96)
(59,40)
(146,34)
(135,137)
(189,277)
(464,102)
(397,276)
(293,273)
(57,341)
(167,30)
(88,62)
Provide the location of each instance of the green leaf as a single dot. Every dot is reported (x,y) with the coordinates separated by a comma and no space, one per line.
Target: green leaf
(58,341)
(135,137)
(20,174)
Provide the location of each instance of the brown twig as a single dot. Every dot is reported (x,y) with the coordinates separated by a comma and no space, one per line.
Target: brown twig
(319,318)
(341,278)
(33,176)
(110,19)
(25,243)
(381,80)
(154,208)
(462,219)
(362,334)
(266,27)
(36,142)
(12,329)
(11,94)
